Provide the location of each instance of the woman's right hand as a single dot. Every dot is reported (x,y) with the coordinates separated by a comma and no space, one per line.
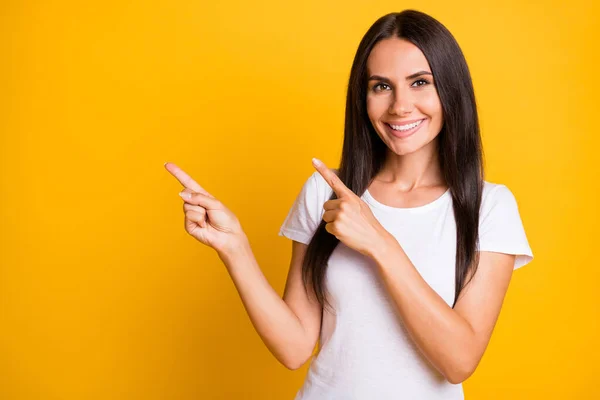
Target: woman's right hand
(206,218)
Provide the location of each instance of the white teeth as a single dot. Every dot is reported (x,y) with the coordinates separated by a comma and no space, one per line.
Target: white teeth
(405,127)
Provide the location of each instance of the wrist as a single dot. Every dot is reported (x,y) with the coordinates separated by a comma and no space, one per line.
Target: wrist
(386,245)
(239,246)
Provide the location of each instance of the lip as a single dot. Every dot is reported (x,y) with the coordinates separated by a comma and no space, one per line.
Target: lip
(404,134)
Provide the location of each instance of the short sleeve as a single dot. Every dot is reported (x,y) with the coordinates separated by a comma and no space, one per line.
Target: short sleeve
(500,227)
(304,217)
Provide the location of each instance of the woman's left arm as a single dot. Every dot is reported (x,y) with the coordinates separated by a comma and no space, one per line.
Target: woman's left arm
(452,339)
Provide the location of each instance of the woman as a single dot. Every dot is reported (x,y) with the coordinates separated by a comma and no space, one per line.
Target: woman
(401,258)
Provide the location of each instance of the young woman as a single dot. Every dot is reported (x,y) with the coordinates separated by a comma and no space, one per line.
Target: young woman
(401,258)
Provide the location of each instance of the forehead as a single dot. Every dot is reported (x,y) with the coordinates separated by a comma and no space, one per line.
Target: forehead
(393,56)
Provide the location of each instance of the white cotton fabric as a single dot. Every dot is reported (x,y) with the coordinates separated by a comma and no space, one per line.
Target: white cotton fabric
(365,351)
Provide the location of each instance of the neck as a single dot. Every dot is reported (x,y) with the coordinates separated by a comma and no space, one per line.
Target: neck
(414,170)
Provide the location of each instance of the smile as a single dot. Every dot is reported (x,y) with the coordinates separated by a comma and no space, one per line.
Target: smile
(403,131)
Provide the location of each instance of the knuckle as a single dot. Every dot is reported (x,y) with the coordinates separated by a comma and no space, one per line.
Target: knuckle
(192,215)
(191,207)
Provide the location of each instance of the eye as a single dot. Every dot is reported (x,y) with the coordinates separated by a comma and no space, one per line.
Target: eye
(375,88)
(421,80)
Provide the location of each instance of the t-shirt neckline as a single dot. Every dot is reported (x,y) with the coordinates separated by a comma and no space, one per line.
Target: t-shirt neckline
(426,207)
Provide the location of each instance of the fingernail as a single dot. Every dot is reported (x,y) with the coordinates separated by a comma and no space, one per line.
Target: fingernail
(316,161)
(185,195)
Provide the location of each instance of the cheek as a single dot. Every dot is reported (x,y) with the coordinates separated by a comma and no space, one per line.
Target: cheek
(433,108)
(376,103)
(431,105)
(376,106)
(371,111)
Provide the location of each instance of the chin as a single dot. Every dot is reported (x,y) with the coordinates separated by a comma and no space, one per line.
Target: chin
(411,145)
(404,150)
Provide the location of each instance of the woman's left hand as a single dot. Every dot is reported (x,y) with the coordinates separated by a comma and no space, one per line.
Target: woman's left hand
(349,218)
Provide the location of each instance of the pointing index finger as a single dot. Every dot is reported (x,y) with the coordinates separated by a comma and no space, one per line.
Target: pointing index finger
(332,179)
(185,179)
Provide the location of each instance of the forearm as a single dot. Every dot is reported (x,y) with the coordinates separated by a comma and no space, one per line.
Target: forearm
(277,325)
(442,335)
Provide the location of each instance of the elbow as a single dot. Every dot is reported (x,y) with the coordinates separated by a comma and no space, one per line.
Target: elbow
(294,354)
(464,362)
(456,379)
(463,365)
(294,363)
(459,374)
(293,367)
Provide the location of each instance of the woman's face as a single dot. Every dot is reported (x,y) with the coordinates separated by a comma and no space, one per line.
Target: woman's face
(400,92)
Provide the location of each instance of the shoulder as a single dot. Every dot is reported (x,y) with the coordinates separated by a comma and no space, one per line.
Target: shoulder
(493,192)
(497,198)
(321,184)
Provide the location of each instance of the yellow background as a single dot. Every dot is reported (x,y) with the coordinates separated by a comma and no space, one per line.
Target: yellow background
(103,294)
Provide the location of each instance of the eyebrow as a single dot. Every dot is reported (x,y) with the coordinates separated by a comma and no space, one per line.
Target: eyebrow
(384,79)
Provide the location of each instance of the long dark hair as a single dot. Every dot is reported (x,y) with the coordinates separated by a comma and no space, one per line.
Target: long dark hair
(459,142)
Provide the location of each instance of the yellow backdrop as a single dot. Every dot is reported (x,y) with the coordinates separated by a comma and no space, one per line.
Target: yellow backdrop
(103,294)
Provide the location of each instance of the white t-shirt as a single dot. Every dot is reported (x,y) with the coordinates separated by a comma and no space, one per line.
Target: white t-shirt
(365,351)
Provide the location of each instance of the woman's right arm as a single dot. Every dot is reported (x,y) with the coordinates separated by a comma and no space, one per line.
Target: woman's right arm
(289,327)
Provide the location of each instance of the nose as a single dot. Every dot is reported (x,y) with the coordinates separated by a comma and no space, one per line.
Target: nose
(402,103)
